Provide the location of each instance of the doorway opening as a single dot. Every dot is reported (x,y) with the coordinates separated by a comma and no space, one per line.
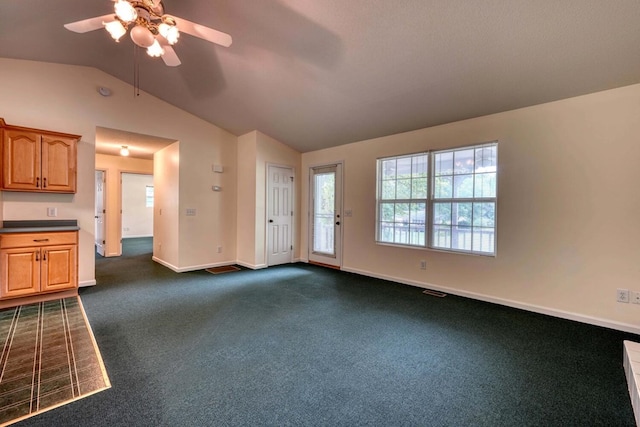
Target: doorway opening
(136,201)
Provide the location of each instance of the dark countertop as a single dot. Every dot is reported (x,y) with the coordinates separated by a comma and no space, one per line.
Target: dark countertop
(39,226)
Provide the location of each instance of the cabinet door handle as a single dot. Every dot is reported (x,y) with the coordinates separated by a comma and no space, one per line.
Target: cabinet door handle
(44,182)
(44,255)
(40,240)
(38,256)
(37,181)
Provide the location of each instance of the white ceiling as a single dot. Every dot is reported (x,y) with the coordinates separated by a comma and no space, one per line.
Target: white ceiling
(110,141)
(319,73)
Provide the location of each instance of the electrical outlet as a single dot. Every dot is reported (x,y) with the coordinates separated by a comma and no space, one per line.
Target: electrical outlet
(635,297)
(52,211)
(423,265)
(191,212)
(219,249)
(622,295)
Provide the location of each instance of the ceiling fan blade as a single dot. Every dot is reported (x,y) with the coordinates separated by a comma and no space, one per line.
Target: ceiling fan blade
(170,58)
(90,24)
(205,33)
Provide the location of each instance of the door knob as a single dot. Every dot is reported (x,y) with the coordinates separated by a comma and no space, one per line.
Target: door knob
(270,220)
(337,222)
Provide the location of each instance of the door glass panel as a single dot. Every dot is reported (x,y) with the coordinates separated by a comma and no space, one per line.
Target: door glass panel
(324,212)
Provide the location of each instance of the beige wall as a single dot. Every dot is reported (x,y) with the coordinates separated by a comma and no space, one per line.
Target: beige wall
(137,215)
(255,152)
(68,101)
(567,209)
(166,164)
(114,166)
(246,210)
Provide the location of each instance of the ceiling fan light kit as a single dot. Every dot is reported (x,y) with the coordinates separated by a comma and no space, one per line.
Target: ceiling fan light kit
(151,28)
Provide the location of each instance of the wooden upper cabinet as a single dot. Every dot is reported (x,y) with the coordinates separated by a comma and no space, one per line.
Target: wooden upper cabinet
(21,160)
(38,160)
(58,164)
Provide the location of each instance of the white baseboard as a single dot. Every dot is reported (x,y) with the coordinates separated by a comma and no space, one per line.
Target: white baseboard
(252,266)
(191,267)
(87,283)
(626,327)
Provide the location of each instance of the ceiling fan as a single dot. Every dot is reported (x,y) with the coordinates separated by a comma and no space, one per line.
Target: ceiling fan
(151,28)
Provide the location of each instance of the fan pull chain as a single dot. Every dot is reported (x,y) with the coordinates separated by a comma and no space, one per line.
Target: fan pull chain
(136,71)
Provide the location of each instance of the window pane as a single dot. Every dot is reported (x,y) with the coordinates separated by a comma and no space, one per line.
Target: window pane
(402,212)
(485,185)
(417,215)
(389,169)
(387,212)
(484,240)
(443,187)
(484,214)
(388,190)
(404,167)
(403,183)
(419,188)
(461,238)
(441,236)
(461,213)
(444,163)
(386,232)
(486,159)
(442,213)
(420,166)
(403,189)
(463,161)
(463,186)
(149,196)
(323,213)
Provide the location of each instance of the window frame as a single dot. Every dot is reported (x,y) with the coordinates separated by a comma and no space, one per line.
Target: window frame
(431,201)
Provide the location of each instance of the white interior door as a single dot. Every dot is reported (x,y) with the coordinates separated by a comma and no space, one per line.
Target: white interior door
(99,217)
(279,215)
(326,215)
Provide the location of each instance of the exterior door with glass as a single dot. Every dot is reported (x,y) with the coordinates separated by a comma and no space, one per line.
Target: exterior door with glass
(325,231)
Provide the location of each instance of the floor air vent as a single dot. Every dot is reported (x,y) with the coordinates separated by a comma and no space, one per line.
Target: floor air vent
(632,371)
(434,293)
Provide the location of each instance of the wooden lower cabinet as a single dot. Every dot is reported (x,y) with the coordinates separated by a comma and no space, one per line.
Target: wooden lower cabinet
(38,263)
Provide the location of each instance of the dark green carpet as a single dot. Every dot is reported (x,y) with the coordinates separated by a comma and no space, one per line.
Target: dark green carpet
(303,345)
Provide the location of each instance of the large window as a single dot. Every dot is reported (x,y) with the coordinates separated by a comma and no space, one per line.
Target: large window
(442,199)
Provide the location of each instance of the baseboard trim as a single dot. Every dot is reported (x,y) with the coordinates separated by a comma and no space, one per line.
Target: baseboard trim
(252,266)
(87,283)
(625,327)
(191,267)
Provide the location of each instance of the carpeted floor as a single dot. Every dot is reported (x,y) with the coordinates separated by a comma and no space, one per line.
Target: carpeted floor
(305,345)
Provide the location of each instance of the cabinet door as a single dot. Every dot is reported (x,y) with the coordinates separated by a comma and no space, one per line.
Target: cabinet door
(19,272)
(58,164)
(21,160)
(58,268)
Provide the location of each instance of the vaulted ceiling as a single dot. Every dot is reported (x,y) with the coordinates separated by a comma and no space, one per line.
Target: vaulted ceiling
(319,73)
